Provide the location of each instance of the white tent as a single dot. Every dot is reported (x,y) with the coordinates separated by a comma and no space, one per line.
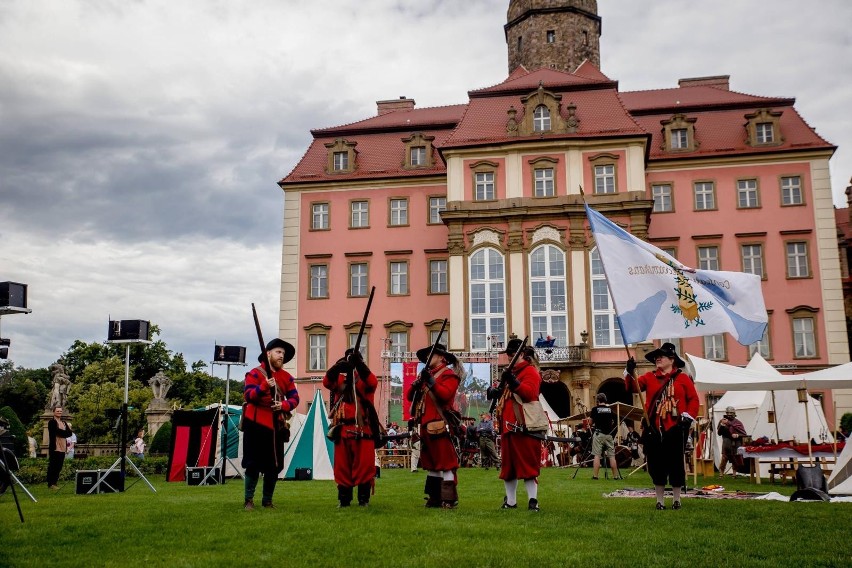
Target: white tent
(840,482)
(755,407)
(308,446)
(711,375)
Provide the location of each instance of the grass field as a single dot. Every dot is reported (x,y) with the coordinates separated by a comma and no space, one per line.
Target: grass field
(181,525)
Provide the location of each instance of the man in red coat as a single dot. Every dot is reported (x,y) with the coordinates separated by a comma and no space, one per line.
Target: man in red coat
(269,400)
(352,388)
(671,406)
(435,391)
(521,453)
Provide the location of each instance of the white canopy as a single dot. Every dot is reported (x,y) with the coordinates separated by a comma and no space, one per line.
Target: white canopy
(760,375)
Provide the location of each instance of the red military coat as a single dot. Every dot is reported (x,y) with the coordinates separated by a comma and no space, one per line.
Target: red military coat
(345,413)
(681,398)
(437,452)
(521,453)
(259,395)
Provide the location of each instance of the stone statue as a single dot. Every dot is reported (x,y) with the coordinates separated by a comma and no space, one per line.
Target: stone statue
(160,384)
(61,382)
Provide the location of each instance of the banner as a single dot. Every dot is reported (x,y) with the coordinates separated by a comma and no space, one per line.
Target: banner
(193,442)
(409,375)
(656,297)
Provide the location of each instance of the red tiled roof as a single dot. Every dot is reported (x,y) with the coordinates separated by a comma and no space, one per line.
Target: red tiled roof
(553,80)
(379,155)
(599,111)
(723,133)
(639,101)
(400,119)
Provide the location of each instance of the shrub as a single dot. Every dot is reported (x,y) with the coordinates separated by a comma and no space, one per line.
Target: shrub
(17,430)
(846,422)
(162,440)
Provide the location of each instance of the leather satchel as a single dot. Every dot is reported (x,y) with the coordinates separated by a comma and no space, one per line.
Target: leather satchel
(535,419)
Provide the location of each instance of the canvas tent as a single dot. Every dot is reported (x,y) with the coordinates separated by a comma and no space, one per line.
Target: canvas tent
(308,446)
(231,430)
(840,481)
(755,407)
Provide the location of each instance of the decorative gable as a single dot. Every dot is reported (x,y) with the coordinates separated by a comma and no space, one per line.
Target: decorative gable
(418,151)
(542,113)
(764,128)
(341,157)
(679,134)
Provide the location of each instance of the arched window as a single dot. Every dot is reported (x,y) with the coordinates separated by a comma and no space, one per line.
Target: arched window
(541,119)
(548,310)
(487,299)
(604,322)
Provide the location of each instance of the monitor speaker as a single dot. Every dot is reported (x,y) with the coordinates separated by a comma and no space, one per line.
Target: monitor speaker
(229,354)
(202,476)
(13,294)
(304,474)
(124,330)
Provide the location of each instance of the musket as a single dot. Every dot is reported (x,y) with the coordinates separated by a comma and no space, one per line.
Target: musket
(418,395)
(356,349)
(511,366)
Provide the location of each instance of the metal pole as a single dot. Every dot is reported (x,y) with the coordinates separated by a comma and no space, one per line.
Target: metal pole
(226,422)
(124,412)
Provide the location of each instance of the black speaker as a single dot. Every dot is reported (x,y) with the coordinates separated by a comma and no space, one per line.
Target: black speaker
(199,476)
(229,354)
(304,474)
(112,483)
(123,330)
(13,294)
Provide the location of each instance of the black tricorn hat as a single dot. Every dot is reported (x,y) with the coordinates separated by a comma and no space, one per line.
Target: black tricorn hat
(439,350)
(666,350)
(289,350)
(513,346)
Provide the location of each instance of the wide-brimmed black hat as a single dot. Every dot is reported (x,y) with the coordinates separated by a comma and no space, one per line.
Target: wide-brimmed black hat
(439,350)
(289,350)
(513,346)
(666,350)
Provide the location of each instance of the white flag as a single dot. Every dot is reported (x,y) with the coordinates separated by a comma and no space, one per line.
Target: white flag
(656,297)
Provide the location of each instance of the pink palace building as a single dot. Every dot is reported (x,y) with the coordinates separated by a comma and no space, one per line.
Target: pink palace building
(473,213)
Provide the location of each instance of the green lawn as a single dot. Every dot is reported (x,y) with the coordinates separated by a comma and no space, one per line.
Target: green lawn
(181,525)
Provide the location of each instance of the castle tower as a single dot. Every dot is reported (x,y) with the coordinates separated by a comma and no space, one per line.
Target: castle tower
(559,34)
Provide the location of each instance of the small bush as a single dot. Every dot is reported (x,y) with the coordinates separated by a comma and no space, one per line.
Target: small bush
(162,440)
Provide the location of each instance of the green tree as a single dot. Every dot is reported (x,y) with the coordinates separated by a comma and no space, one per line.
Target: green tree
(846,422)
(24,391)
(162,440)
(17,430)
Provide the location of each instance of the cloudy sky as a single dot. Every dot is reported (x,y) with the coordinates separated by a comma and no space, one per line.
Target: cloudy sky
(141,140)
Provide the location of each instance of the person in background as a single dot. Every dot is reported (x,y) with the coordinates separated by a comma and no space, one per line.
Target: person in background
(268,402)
(604,422)
(71,444)
(58,432)
(137,448)
(671,406)
(732,431)
(414,444)
(487,441)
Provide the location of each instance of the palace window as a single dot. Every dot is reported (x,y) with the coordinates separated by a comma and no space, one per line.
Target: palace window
(804,337)
(679,134)
(398,211)
(484,190)
(605,179)
(708,257)
(398,274)
(544,186)
(752,256)
(680,139)
(363,349)
(319,281)
(418,151)
(606,332)
(763,128)
(714,347)
(487,298)
(747,196)
(358,279)
(341,156)
(797,260)
(541,119)
(662,194)
(791,190)
(418,155)
(317,351)
(360,214)
(548,310)
(436,206)
(438,277)
(319,216)
(705,195)
(761,346)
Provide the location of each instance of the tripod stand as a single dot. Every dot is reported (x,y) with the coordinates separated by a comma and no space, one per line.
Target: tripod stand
(10,479)
(122,448)
(227,424)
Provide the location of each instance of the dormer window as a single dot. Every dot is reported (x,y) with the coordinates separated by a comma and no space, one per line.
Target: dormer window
(679,134)
(541,119)
(551,36)
(341,156)
(764,133)
(764,128)
(418,155)
(418,151)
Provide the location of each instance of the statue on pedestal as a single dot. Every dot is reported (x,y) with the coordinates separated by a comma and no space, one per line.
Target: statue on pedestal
(61,383)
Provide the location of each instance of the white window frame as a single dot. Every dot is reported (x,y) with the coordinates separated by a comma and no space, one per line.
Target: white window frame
(704,193)
(319,216)
(319,280)
(341,161)
(762,346)
(791,190)
(548,294)
(484,188)
(752,257)
(353,337)
(605,179)
(662,195)
(438,282)
(398,275)
(606,331)
(317,351)
(714,347)
(359,216)
(708,257)
(747,195)
(417,155)
(804,337)
(764,132)
(489,282)
(679,138)
(398,211)
(399,341)
(541,119)
(436,206)
(358,280)
(545,184)
(797,259)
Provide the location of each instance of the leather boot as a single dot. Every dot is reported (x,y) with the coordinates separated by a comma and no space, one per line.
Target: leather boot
(433,491)
(449,495)
(344,496)
(364,494)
